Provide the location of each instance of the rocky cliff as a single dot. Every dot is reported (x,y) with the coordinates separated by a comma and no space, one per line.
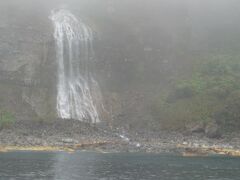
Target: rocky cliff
(140,50)
(124,49)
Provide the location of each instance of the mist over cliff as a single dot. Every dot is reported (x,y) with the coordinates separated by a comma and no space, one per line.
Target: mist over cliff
(146,54)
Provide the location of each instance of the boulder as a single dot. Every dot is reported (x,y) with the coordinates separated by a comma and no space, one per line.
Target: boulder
(212,130)
(196,127)
(68,140)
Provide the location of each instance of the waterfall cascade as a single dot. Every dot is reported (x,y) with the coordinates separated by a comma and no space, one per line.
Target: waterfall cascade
(77,91)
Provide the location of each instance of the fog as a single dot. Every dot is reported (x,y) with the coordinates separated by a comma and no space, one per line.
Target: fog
(119,89)
(142,49)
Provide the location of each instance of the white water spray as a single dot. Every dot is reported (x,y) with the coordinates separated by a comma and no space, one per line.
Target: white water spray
(77,91)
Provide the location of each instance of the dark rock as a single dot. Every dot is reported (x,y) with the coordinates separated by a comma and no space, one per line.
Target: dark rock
(212,131)
(196,127)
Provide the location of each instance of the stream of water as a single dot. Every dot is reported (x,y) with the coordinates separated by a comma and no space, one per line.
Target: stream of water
(77,91)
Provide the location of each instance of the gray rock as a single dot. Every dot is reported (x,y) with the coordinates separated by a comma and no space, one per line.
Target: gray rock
(212,131)
(68,140)
(196,127)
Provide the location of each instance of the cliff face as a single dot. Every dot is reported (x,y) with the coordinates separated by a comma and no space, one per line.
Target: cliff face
(140,49)
(124,49)
(27,60)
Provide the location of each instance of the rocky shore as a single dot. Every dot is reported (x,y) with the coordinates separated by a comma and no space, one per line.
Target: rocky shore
(74,135)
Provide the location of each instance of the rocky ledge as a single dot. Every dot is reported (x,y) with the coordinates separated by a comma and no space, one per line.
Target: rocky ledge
(73,135)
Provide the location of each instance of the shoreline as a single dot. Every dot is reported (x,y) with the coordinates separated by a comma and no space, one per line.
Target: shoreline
(71,136)
(181,150)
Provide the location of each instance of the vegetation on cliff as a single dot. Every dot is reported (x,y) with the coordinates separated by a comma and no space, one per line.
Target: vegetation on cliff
(211,93)
(6,119)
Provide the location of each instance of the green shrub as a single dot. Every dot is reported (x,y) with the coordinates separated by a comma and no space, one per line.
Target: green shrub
(6,119)
(181,92)
(229,115)
(215,72)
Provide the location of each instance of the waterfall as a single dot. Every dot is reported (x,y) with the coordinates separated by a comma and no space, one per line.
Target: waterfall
(77,90)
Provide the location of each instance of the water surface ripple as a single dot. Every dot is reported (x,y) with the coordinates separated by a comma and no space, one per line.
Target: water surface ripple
(96,166)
